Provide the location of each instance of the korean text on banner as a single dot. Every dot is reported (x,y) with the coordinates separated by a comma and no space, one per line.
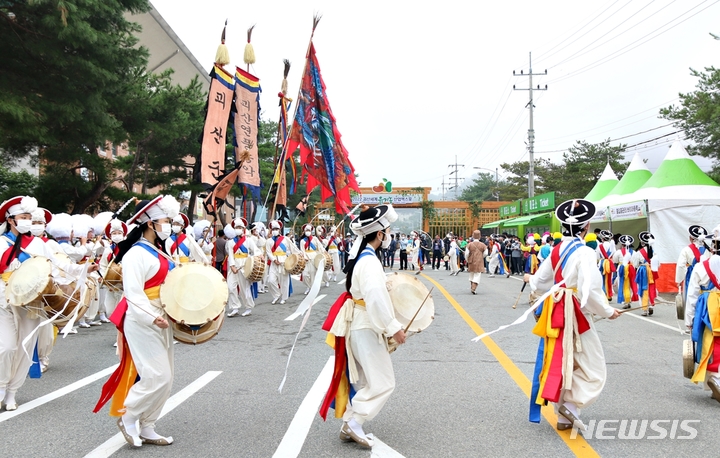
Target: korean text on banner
(246,123)
(215,131)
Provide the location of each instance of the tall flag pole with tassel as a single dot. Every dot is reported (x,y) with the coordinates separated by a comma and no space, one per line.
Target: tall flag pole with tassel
(246,124)
(213,140)
(322,155)
(279,180)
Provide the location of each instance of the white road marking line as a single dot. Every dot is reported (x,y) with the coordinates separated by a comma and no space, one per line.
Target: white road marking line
(56,394)
(341,282)
(654,322)
(294,437)
(116,442)
(382,450)
(298,313)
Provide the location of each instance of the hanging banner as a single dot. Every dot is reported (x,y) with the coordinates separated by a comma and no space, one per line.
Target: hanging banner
(212,151)
(246,125)
(633,210)
(601,215)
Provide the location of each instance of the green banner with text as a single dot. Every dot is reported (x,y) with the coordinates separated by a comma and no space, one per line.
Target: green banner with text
(512,209)
(542,202)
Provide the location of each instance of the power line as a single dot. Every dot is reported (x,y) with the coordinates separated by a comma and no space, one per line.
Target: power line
(455,172)
(630,47)
(614,139)
(628,146)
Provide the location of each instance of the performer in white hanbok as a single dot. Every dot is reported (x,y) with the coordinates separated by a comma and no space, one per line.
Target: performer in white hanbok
(148,340)
(691,255)
(257,233)
(570,336)
(17,322)
(278,278)
(46,334)
(115,231)
(626,275)
(373,321)
(333,245)
(239,247)
(182,246)
(453,252)
(204,237)
(311,246)
(413,249)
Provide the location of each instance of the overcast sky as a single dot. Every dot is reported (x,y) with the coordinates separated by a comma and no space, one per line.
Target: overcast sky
(413,86)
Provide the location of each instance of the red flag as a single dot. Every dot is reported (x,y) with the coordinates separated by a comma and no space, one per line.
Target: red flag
(322,154)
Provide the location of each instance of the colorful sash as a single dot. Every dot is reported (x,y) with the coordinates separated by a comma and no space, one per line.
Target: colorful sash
(125,376)
(645,280)
(627,287)
(548,379)
(340,392)
(21,256)
(697,254)
(706,328)
(179,245)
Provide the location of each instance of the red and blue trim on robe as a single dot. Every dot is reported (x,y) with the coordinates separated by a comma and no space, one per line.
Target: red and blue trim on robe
(178,247)
(645,280)
(608,270)
(706,328)
(125,376)
(547,378)
(627,288)
(697,255)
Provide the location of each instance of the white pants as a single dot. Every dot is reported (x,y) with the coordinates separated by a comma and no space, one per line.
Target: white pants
(45,342)
(336,268)
(278,281)
(475,277)
(309,273)
(94,305)
(240,293)
(454,264)
(376,379)
(111,301)
(493,264)
(152,352)
(15,326)
(589,376)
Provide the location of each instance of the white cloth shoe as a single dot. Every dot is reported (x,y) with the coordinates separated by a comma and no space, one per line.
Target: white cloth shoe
(247,312)
(282,301)
(275,301)
(83,324)
(233,312)
(307,291)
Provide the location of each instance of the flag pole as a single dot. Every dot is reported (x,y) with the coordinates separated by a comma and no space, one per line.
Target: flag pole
(279,166)
(316,20)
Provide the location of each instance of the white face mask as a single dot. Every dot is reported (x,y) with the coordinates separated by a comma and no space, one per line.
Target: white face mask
(165,231)
(308,233)
(275,233)
(176,229)
(117,238)
(23,226)
(37,229)
(386,241)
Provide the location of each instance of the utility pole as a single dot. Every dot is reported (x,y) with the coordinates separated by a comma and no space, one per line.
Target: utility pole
(443,188)
(531,131)
(457,178)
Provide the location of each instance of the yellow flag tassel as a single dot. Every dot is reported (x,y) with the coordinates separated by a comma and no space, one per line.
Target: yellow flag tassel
(249,56)
(222,56)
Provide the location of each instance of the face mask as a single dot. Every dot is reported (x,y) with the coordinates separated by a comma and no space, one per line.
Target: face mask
(23,226)
(117,238)
(165,231)
(37,229)
(386,241)
(308,233)
(275,233)
(176,229)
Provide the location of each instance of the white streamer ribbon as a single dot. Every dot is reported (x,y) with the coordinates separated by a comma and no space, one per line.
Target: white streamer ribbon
(527,313)
(305,306)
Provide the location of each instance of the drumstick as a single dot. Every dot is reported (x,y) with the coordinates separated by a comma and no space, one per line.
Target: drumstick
(418,310)
(518,298)
(622,311)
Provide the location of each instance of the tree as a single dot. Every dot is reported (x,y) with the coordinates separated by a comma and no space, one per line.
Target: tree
(63,83)
(16,184)
(699,115)
(482,188)
(581,167)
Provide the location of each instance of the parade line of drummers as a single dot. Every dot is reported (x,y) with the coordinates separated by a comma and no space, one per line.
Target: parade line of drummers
(61,272)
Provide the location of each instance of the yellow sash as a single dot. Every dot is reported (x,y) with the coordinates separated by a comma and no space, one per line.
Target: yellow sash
(713,306)
(6,276)
(240,255)
(153,292)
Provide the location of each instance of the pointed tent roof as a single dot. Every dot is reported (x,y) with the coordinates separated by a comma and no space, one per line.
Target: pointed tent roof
(635,177)
(677,178)
(604,185)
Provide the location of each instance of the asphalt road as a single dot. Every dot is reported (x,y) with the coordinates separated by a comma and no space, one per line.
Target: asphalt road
(454,397)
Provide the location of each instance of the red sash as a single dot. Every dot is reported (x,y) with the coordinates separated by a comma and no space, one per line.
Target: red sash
(238,245)
(277,243)
(696,252)
(307,242)
(604,253)
(6,259)
(180,239)
(118,318)
(643,252)
(713,278)
(114,250)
